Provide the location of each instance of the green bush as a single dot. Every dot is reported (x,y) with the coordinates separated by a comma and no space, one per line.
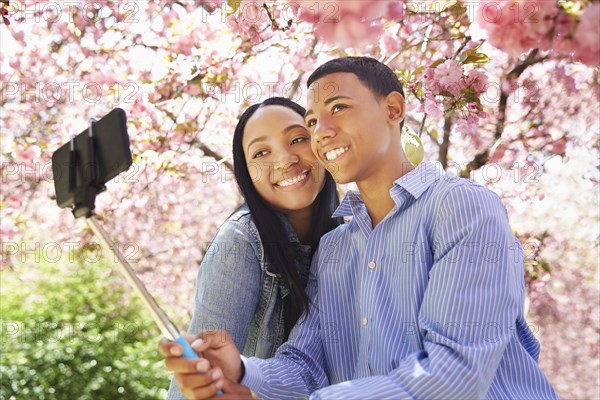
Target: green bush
(76,331)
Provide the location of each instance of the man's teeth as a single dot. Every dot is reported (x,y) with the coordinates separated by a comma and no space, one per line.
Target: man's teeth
(333,154)
(292,181)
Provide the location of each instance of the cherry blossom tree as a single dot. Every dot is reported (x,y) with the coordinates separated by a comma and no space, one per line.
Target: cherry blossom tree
(502,92)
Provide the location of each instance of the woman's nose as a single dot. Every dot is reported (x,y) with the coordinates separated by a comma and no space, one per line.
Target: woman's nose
(286,158)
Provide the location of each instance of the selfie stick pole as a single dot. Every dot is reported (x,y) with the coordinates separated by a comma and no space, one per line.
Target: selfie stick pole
(166,326)
(86,209)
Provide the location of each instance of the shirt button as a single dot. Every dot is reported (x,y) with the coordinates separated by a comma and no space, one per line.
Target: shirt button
(372,264)
(365,321)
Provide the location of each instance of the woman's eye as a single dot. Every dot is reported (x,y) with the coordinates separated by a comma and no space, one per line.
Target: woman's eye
(311,122)
(299,139)
(259,154)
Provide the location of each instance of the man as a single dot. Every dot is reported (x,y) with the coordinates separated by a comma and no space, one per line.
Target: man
(419,296)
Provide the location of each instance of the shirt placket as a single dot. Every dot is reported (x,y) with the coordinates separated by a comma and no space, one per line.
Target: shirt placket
(370,276)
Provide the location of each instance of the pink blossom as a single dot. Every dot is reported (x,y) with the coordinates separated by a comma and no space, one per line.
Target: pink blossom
(140,105)
(465,127)
(447,50)
(515,26)
(185,44)
(433,109)
(449,73)
(389,44)
(18,36)
(395,11)
(558,147)
(353,32)
(414,107)
(8,230)
(472,119)
(349,23)
(251,20)
(27,155)
(472,106)
(561,42)
(476,80)
(587,36)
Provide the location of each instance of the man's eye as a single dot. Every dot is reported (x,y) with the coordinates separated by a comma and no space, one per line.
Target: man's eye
(311,122)
(338,107)
(259,154)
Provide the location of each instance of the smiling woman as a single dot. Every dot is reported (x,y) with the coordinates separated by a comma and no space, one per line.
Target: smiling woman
(256,268)
(276,145)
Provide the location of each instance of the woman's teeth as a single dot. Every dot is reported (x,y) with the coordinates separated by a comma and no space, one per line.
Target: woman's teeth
(292,181)
(333,154)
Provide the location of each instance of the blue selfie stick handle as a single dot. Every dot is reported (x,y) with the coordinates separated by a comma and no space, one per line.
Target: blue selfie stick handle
(188,352)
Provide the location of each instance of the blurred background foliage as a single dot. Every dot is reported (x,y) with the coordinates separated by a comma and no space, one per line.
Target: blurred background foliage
(87,337)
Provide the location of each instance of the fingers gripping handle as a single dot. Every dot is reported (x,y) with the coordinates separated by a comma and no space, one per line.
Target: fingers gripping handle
(188,352)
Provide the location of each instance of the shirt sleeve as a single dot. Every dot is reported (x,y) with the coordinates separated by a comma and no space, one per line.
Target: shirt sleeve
(469,309)
(227,289)
(298,368)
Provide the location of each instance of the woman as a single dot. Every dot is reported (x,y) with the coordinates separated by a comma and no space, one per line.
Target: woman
(252,278)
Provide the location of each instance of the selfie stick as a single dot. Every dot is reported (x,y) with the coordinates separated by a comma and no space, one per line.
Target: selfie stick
(166,326)
(85,208)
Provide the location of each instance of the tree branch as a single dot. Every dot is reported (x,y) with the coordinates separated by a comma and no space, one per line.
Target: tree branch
(211,153)
(296,83)
(482,157)
(443,152)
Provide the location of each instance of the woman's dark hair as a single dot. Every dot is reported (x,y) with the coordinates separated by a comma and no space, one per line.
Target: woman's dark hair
(278,251)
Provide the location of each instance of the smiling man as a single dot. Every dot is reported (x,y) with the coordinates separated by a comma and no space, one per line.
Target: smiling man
(420,295)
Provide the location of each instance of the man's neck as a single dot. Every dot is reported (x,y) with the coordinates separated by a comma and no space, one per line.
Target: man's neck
(375,191)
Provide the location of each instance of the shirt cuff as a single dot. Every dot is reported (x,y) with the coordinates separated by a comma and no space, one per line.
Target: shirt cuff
(253,377)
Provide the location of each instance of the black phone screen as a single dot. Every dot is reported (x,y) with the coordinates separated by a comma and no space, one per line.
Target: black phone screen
(110,145)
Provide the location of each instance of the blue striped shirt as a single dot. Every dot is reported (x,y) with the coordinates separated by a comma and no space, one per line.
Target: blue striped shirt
(429,304)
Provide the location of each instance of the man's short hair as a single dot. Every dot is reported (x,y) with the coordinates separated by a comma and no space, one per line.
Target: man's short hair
(376,76)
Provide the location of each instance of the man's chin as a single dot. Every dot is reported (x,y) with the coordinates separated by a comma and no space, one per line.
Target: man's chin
(341,179)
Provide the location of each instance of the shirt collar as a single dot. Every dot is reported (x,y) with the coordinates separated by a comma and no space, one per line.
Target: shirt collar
(416,182)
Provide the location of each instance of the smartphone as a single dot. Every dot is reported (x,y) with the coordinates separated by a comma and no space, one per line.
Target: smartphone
(91,161)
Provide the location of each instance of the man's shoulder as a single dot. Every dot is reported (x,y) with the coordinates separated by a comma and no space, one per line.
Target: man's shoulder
(456,195)
(338,233)
(450,185)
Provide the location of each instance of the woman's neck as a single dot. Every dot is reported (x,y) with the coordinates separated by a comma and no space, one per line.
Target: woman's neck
(301,221)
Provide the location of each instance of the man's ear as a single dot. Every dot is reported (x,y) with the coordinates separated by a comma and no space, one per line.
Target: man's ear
(395,107)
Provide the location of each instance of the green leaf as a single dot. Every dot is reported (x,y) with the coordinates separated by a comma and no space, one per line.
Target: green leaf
(434,134)
(438,62)
(464,54)
(419,70)
(476,58)
(232,6)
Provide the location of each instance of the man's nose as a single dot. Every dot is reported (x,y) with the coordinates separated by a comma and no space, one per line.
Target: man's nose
(323,130)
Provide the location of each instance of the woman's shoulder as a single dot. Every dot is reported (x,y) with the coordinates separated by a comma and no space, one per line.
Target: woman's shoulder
(239,223)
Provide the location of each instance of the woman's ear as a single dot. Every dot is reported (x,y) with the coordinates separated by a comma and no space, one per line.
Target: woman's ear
(395,107)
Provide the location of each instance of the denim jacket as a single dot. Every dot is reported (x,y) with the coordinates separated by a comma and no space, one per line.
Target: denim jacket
(237,292)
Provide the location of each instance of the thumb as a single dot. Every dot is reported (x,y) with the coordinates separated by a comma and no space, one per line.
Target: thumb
(211,340)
